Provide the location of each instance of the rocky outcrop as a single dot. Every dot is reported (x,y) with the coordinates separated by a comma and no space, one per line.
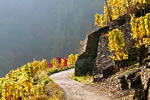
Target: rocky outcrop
(92,44)
(86,61)
(95,57)
(132,81)
(139,81)
(105,65)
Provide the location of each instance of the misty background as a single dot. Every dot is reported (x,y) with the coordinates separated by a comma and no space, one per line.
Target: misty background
(43,29)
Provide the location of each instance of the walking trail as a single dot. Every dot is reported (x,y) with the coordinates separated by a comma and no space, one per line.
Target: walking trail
(75,90)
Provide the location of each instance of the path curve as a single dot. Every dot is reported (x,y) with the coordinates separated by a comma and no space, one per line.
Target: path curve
(75,90)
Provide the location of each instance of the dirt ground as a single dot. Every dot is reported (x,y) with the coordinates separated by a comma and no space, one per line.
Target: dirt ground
(77,91)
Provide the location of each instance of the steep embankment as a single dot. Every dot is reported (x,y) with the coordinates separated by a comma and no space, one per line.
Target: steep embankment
(75,90)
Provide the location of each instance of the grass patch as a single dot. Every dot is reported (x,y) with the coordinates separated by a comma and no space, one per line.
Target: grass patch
(51,90)
(83,79)
(56,70)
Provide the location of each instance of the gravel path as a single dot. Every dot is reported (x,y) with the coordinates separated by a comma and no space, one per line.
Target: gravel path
(75,90)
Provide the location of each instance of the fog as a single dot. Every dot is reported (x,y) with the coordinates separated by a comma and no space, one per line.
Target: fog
(43,29)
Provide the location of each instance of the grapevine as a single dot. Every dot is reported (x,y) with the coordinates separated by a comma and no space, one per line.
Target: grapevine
(118,8)
(117,45)
(141,30)
(19,84)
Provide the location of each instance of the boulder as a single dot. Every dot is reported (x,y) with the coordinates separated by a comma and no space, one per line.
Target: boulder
(85,64)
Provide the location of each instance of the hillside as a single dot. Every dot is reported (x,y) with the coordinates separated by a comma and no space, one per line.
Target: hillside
(32,82)
(117,54)
(116,57)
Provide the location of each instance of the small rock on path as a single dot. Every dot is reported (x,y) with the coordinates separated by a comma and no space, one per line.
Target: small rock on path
(75,90)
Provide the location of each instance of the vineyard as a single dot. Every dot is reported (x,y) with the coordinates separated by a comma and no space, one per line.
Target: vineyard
(113,9)
(126,25)
(140,25)
(29,80)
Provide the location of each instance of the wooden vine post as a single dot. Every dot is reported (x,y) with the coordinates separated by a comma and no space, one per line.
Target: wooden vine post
(109,14)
